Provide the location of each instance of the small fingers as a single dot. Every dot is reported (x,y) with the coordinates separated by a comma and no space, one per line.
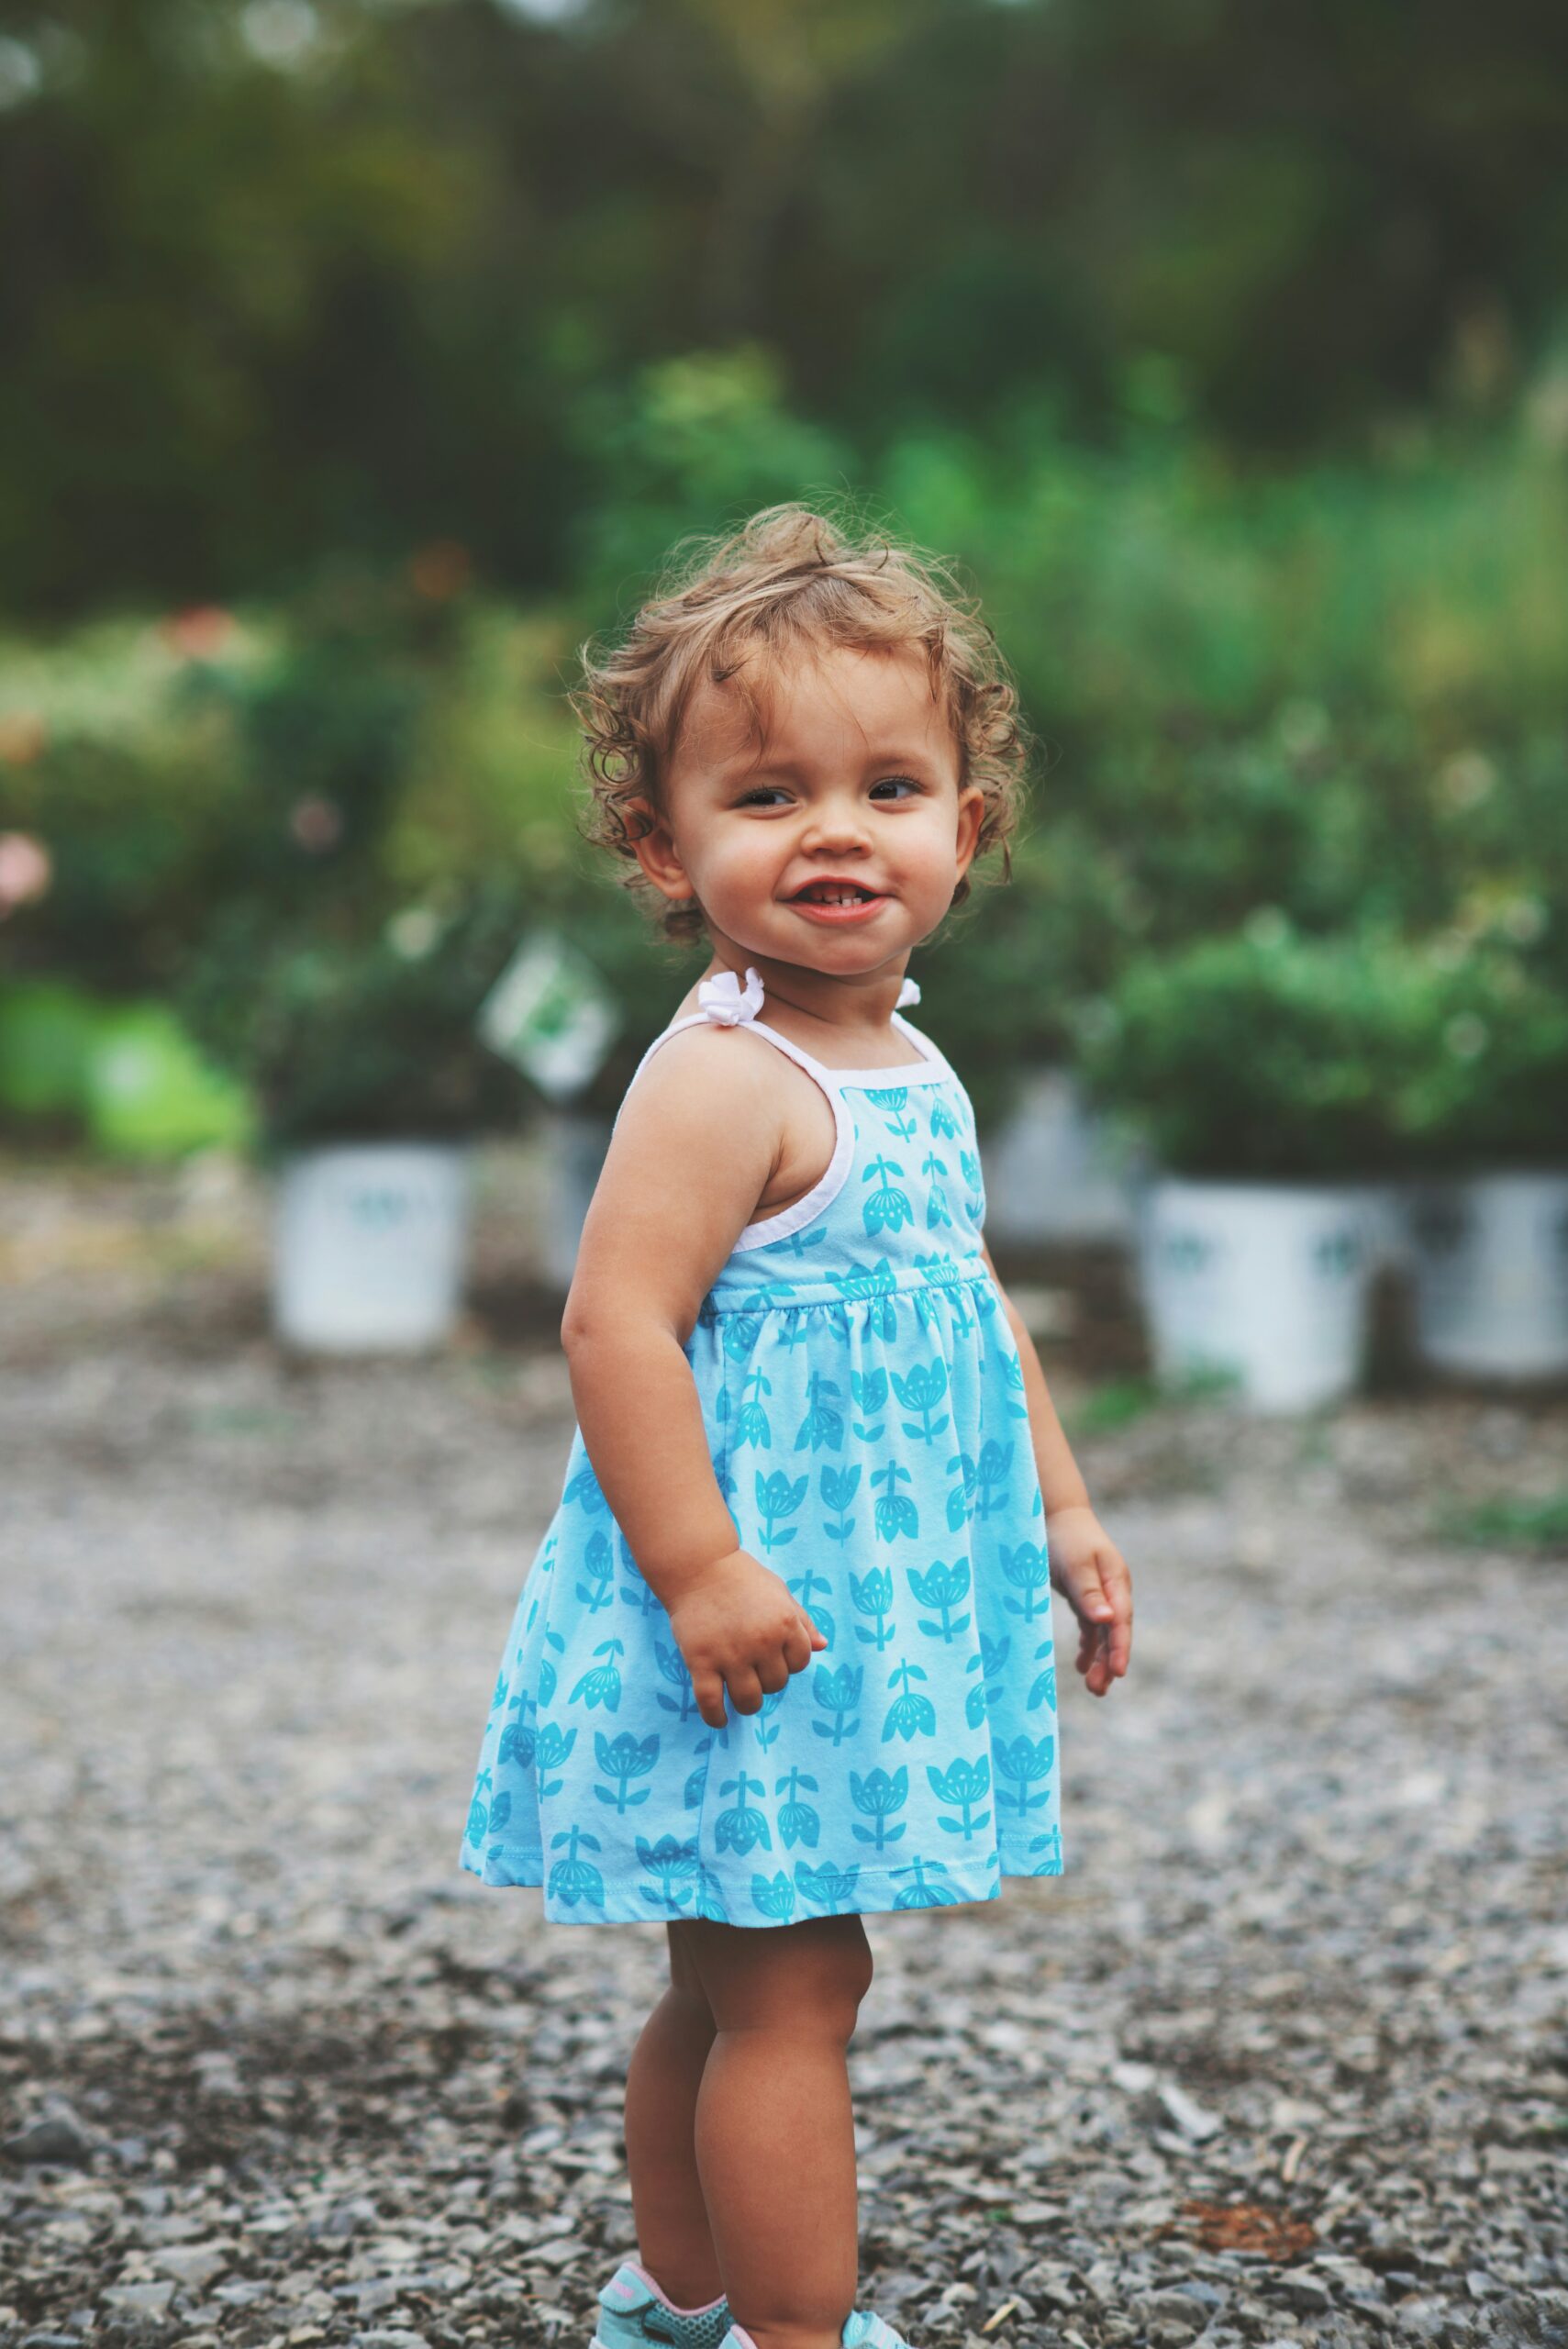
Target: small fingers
(1118,1585)
(709,1691)
(1093,1660)
(1094,1600)
(797,1648)
(745,1689)
(1112,1566)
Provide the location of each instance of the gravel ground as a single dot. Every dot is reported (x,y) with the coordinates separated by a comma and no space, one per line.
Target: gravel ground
(1281,2058)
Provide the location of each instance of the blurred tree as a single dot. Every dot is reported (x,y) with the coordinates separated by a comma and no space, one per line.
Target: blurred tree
(282,274)
(211,252)
(790,58)
(684,447)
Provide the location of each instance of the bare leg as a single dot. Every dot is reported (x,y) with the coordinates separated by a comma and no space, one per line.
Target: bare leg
(775,2136)
(662,2083)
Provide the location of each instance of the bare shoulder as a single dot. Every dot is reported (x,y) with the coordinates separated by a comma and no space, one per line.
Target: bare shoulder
(694,1148)
(728,1092)
(709,1073)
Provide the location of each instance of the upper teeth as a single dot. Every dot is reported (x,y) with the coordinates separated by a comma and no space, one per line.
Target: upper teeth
(833,894)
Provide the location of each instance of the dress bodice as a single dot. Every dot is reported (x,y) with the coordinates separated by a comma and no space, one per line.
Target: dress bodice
(901,1203)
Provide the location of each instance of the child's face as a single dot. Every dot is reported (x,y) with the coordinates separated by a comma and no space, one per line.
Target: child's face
(858,781)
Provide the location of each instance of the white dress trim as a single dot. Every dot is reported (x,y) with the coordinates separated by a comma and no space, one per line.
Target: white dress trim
(726,1004)
(835,1175)
(930,1068)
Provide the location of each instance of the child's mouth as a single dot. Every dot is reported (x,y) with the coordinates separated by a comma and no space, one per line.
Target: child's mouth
(837,902)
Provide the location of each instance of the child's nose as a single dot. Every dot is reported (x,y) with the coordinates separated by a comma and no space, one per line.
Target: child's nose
(836,823)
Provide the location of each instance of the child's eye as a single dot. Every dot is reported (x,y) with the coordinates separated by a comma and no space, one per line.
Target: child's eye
(766,795)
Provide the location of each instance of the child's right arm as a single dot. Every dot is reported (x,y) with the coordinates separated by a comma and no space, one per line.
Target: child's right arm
(698,1139)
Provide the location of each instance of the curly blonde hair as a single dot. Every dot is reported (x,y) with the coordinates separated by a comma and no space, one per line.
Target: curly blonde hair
(789,580)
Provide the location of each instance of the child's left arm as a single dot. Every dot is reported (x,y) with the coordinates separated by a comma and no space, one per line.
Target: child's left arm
(1086,1566)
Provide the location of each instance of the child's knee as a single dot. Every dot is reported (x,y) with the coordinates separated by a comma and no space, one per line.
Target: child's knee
(838,1977)
(685,1975)
(807,1978)
(823,1988)
(858,1969)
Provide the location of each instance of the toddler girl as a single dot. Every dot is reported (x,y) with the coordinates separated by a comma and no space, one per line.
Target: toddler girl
(784,1656)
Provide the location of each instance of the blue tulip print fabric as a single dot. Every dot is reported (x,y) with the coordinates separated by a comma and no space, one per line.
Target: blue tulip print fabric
(864,1406)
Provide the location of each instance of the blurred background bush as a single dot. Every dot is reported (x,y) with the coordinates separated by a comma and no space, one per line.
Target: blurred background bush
(362,358)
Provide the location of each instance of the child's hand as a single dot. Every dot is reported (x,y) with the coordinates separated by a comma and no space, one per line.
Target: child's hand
(1091,1573)
(739,1629)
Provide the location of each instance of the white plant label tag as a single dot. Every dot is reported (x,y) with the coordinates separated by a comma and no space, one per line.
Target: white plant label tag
(551,1015)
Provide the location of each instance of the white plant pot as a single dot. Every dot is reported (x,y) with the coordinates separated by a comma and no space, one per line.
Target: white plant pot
(1388,1228)
(370,1243)
(575,1142)
(1266,1281)
(1050,1170)
(1490,1258)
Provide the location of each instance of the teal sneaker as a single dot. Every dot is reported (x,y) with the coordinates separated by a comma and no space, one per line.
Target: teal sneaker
(863,2328)
(634,2312)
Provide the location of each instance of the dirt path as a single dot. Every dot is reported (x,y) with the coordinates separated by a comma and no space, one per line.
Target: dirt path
(1282,2056)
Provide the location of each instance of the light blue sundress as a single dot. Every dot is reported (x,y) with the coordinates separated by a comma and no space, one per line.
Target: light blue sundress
(864,1408)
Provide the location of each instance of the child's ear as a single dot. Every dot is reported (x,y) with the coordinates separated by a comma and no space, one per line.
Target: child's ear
(655,850)
(970,816)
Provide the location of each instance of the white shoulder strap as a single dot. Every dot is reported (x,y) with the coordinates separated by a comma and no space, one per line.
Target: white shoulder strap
(922,1042)
(726,1004)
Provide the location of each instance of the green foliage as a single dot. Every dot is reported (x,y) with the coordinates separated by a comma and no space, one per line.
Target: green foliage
(352,1037)
(1327,707)
(1114,1404)
(1254,1056)
(1530,1522)
(689,445)
(47,1028)
(114,756)
(1486,1084)
(348,1007)
(280,283)
(1151,587)
(147,1093)
(325,733)
(645,974)
(1269,1054)
(1002,976)
(1118,1403)
(354,275)
(124,1077)
(490,780)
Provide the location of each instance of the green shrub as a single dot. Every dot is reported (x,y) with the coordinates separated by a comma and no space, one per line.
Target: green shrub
(372,883)
(351,1039)
(1486,1087)
(687,445)
(115,755)
(48,1029)
(1332,699)
(1258,1055)
(150,1094)
(1269,1054)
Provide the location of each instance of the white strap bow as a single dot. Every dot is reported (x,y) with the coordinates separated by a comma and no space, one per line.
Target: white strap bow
(722,1001)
